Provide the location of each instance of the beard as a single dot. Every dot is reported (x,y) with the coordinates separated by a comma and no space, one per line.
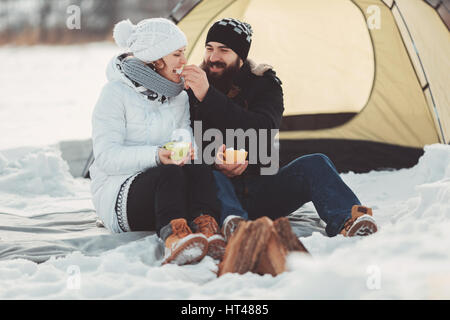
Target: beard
(223,81)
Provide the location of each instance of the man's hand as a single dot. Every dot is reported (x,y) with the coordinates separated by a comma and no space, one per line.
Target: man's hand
(229,170)
(195,78)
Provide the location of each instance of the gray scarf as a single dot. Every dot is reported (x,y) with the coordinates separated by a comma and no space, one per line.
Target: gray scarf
(147,81)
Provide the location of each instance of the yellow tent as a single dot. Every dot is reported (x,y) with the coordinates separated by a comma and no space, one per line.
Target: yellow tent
(365,81)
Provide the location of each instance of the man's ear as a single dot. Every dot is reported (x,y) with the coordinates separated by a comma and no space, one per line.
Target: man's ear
(241,63)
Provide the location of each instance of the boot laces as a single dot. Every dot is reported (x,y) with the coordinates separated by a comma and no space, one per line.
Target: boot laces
(180,228)
(207,225)
(348,224)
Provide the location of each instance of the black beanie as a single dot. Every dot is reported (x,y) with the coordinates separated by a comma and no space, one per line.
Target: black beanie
(234,34)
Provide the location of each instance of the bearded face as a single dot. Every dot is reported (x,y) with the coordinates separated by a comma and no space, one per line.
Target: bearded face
(220,65)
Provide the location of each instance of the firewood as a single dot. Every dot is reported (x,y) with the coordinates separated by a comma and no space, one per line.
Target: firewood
(273,257)
(245,246)
(260,246)
(288,237)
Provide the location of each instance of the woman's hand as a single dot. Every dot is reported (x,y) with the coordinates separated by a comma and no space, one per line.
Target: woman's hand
(192,152)
(164,157)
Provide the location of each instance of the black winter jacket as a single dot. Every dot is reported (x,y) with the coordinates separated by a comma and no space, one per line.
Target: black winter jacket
(255,101)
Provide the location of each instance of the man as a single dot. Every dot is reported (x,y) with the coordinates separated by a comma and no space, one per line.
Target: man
(228,91)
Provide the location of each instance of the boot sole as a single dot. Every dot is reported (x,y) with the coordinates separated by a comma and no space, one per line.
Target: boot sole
(364,226)
(216,249)
(194,244)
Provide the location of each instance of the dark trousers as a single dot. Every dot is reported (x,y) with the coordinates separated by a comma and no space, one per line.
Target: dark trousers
(168,192)
(308,178)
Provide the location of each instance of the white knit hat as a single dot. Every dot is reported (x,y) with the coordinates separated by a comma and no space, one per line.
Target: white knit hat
(150,39)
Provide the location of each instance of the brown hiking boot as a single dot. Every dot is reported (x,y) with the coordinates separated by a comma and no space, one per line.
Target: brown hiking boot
(181,245)
(208,226)
(361,223)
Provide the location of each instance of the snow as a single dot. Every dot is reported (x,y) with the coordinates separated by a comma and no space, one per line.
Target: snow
(41,84)
(408,258)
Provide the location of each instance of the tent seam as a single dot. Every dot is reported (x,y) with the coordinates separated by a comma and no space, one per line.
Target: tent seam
(421,66)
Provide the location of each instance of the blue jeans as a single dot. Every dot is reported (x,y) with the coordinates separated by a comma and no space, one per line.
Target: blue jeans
(308,178)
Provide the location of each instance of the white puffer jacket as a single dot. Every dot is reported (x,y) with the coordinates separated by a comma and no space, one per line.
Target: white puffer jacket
(127,129)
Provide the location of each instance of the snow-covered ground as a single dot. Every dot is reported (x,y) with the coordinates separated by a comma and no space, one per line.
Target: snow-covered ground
(47,95)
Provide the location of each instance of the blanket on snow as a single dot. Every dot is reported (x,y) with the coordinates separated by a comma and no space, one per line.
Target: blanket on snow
(39,236)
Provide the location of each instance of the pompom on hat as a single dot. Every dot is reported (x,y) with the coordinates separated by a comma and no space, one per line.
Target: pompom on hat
(150,39)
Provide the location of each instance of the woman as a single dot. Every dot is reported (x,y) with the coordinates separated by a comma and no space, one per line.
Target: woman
(136,186)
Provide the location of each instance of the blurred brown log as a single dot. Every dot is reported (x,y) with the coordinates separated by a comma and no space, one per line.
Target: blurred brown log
(260,246)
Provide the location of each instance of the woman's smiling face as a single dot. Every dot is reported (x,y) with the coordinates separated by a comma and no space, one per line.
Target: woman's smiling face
(170,66)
